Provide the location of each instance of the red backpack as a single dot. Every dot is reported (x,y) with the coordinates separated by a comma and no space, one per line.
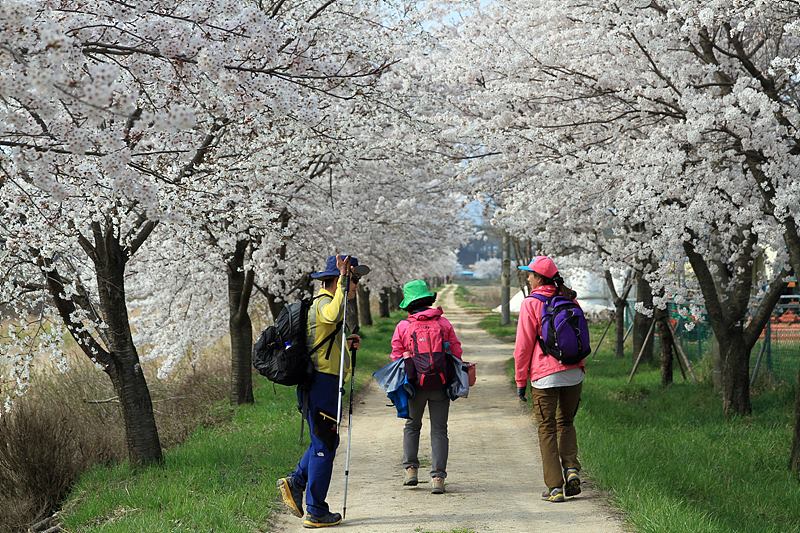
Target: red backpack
(430,369)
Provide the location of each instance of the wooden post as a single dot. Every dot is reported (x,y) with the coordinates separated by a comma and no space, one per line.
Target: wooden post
(641,352)
(603,337)
(681,354)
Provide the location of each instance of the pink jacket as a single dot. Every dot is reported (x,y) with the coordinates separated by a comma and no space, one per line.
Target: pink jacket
(402,343)
(530,362)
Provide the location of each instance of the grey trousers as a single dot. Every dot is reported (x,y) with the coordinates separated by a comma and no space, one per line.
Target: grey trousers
(438,408)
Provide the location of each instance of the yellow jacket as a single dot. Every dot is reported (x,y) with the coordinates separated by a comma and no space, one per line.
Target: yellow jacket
(324,318)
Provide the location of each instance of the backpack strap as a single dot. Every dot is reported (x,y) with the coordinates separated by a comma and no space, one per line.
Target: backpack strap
(543,299)
(331,337)
(328,338)
(546,301)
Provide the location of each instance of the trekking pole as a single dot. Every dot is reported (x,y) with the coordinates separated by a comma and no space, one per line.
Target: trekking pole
(342,354)
(349,430)
(359,271)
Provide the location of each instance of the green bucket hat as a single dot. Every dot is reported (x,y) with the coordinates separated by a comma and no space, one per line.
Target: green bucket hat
(414,290)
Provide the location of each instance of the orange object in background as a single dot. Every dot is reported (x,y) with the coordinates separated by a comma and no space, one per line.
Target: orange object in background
(789,317)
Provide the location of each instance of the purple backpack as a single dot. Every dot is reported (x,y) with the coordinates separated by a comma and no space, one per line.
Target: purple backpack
(565,332)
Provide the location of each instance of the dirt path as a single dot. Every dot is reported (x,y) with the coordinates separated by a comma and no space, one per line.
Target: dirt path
(494,472)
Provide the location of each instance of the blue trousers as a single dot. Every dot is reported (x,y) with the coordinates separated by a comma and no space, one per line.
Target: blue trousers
(316,466)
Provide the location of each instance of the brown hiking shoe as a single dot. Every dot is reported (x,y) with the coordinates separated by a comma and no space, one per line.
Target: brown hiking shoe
(410,477)
(292,495)
(437,485)
(573,485)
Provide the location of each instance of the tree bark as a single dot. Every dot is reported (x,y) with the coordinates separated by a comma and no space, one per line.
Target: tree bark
(125,370)
(620,303)
(667,358)
(383,303)
(395,297)
(505,281)
(240,288)
(274,305)
(735,354)
(641,323)
(364,312)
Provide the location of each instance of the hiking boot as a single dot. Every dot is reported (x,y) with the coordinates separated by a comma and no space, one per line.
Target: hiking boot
(573,485)
(555,495)
(437,485)
(292,495)
(410,477)
(327,520)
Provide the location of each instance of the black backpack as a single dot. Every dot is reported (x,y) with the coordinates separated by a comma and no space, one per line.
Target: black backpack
(280,353)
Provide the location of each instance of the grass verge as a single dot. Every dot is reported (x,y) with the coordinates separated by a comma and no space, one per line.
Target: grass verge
(464,298)
(673,463)
(222,478)
(490,322)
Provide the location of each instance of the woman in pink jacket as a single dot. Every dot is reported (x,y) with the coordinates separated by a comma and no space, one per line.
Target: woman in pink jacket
(424,339)
(555,387)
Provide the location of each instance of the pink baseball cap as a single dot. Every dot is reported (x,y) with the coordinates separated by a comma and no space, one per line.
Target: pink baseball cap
(542,265)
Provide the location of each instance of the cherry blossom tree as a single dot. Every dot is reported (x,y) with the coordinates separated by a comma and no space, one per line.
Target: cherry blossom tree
(621,109)
(114,114)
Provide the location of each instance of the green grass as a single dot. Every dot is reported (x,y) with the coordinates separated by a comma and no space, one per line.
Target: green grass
(673,463)
(491,323)
(462,296)
(222,478)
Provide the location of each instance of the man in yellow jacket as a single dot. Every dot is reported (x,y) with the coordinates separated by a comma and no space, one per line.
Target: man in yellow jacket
(313,473)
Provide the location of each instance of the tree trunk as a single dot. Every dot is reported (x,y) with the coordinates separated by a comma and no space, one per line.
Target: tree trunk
(125,370)
(619,317)
(383,303)
(353,319)
(240,287)
(364,312)
(141,433)
(274,305)
(666,346)
(735,355)
(523,252)
(641,323)
(794,459)
(505,282)
(395,297)
(620,303)
(728,316)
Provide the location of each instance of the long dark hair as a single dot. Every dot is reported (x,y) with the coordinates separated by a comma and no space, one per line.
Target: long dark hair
(558,281)
(420,304)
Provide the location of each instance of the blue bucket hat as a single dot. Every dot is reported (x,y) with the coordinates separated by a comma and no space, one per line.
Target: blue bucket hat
(330,270)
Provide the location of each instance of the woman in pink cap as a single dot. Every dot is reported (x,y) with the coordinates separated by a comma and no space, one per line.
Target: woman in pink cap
(555,387)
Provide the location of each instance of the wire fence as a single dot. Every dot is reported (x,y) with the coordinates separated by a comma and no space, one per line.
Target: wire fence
(775,356)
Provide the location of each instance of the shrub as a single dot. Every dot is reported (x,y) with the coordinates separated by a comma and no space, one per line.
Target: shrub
(69,422)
